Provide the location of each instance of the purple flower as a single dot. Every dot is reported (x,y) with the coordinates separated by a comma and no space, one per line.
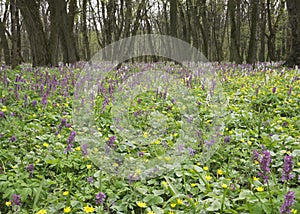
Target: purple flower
(44,100)
(100,197)
(34,103)
(227,139)
(84,149)
(30,169)
(191,151)
(255,155)
(287,168)
(16,200)
(2,114)
(209,143)
(63,122)
(140,154)
(289,200)
(265,162)
(90,180)
(25,100)
(72,137)
(290,91)
(111,141)
(13,139)
(274,90)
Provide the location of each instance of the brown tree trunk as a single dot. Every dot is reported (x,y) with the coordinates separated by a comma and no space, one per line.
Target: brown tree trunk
(4,43)
(271,36)
(87,52)
(262,52)
(252,43)
(293,7)
(173,18)
(14,35)
(34,27)
(234,48)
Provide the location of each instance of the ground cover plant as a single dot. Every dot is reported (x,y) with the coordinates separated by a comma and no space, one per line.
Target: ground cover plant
(255,169)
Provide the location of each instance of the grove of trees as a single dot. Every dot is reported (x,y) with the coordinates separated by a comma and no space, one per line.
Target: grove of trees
(46,32)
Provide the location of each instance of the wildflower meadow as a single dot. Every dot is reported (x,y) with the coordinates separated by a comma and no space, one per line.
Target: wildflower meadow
(251,166)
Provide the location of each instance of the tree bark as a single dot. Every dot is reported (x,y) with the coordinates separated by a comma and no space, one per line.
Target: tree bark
(87,52)
(34,27)
(293,7)
(252,43)
(234,48)
(173,18)
(263,22)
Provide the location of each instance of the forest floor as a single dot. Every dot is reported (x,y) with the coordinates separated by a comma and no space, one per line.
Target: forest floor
(230,144)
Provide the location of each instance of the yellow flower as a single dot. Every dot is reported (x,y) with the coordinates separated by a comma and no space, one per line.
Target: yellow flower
(220,172)
(171,212)
(255,178)
(249,143)
(150,212)
(179,201)
(224,186)
(65,193)
(167,158)
(42,212)
(256,162)
(208,177)
(298,163)
(146,135)
(58,136)
(4,109)
(88,166)
(193,184)
(89,209)
(141,204)
(8,203)
(294,211)
(260,189)
(205,168)
(67,209)
(77,148)
(164,183)
(45,144)
(173,205)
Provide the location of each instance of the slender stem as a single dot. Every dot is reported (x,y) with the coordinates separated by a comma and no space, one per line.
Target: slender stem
(270,197)
(223,200)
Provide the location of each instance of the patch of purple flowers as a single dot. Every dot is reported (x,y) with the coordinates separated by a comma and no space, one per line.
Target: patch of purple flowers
(30,169)
(100,197)
(287,168)
(289,200)
(16,200)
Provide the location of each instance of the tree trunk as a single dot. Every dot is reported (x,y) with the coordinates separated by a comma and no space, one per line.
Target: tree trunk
(234,48)
(262,52)
(54,35)
(87,52)
(271,36)
(173,18)
(14,35)
(4,43)
(34,27)
(252,43)
(293,7)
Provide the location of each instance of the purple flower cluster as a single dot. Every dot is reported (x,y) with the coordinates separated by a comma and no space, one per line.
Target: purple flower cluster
(100,197)
(287,168)
(30,169)
(289,200)
(16,200)
(84,148)
(264,161)
(71,140)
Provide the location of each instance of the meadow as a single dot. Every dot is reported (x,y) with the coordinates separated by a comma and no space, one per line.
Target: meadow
(252,167)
